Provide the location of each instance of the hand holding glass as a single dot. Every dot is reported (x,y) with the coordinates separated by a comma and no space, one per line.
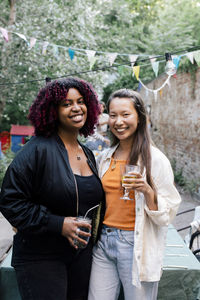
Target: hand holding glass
(126,174)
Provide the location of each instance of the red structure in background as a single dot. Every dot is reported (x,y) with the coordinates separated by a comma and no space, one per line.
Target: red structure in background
(5,140)
(15,138)
(19,134)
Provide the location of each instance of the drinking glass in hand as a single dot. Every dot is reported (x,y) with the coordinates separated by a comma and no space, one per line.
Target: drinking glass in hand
(85,229)
(126,174)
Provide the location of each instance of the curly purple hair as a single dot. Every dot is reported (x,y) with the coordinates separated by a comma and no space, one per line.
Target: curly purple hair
(43,112)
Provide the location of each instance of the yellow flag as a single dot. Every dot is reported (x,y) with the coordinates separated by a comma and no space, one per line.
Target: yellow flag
(136,71)
(161,91)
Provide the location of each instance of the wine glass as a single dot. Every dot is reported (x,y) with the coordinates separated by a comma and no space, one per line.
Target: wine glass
(125,171)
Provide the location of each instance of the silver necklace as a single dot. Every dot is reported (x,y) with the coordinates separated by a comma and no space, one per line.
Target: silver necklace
(78,157)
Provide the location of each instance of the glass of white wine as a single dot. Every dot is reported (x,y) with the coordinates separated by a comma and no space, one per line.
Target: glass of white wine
(126,174)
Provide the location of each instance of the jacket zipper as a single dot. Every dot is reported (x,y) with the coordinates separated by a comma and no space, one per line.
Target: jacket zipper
(77,196)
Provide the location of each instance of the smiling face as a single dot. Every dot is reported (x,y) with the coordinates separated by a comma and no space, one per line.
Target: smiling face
(123,118)
(72,112)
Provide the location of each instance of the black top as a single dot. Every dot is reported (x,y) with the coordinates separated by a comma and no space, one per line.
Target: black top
(90,193)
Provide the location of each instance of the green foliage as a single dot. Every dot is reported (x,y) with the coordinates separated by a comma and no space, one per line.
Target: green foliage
(4,163)
(191,185)
(123,26)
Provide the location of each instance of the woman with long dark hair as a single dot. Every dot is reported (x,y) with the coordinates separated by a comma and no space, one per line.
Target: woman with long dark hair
(131,246)
(51,181)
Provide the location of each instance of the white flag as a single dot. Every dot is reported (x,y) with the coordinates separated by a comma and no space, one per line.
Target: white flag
(32,43)
(190,55)
(111,57)
(133,58)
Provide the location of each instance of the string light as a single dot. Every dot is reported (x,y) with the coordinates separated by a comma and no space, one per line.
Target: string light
(170,68)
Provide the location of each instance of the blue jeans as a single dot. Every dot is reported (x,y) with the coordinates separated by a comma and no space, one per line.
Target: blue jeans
(112,266)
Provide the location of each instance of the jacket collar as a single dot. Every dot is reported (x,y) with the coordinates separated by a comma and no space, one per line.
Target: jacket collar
(111,151)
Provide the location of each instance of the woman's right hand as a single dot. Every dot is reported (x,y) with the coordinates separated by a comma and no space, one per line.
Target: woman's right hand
(71,228)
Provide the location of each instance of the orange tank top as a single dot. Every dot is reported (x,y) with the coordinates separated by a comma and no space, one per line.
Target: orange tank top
(119,213)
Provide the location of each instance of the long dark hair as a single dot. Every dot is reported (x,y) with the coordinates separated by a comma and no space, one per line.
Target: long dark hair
(141,140)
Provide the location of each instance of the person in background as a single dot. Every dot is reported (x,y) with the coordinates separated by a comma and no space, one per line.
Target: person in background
(99,140)
(51,181)
(102,126)
(131,247)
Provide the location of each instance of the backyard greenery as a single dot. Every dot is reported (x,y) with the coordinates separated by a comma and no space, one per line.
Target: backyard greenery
(123,26)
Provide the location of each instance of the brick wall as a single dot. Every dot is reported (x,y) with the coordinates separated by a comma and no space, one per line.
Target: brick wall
(175,118)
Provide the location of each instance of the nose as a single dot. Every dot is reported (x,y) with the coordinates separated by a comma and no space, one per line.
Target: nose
(119,120)
(76,106)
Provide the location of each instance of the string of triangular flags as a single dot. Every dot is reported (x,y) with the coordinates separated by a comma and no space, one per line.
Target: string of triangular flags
(111,56)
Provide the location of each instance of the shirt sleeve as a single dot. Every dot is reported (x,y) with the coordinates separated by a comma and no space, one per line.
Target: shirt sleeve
(167,195)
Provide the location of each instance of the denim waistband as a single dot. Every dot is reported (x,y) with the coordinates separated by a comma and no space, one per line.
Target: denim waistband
(107,229)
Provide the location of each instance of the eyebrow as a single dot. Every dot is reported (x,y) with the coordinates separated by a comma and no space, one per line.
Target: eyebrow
(68,99)
(114,112)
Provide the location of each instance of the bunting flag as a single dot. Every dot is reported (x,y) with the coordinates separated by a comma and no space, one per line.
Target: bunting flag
(44,48)
(4,34)
(155,67)
(92,61)
(71,53)
(111,57)
(90,54)
(139,86)
(32,43)
(190,55)
(136,71)
(176,60)
(91,57)
(197,57)
(161,92)
(154,64)
(133,58)
(55,51)
(22,36)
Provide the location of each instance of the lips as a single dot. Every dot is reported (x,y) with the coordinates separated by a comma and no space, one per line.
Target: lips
(77,118)
(120,130)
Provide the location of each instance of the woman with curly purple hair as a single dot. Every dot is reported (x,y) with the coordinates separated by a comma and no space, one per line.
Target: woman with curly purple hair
(51,181)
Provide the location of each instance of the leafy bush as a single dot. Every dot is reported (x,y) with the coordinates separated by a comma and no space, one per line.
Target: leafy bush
(4,163)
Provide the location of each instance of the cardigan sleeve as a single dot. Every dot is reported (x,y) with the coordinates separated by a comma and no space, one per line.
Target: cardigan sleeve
(167,195)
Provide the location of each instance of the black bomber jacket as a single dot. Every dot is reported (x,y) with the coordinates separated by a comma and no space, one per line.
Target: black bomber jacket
(37,184)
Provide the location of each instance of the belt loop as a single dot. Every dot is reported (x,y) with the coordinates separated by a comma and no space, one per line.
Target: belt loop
(120,234)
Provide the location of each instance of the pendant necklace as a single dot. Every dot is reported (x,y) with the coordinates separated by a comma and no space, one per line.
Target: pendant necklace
(77,155)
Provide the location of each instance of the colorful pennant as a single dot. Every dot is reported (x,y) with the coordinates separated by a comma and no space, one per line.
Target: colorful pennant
(71,53)
(4,34)
(136,71)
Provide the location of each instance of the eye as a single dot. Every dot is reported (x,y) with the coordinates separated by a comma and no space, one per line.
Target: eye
(66,104)
(112,116)
(81,101)
(126,115)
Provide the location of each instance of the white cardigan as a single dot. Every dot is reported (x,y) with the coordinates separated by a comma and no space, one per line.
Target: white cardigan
(150,226)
